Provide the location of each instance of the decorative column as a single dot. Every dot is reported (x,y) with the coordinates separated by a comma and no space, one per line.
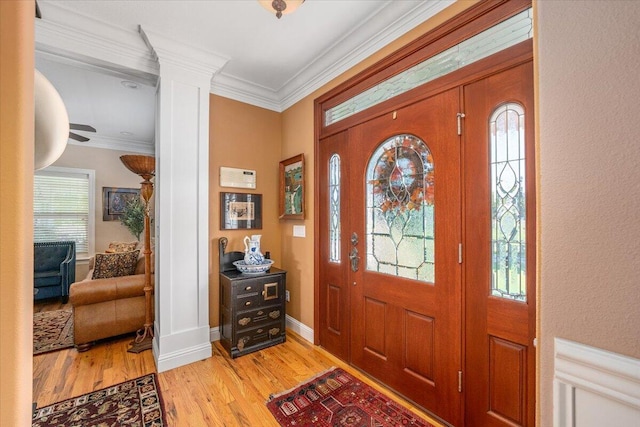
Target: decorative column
(182,201)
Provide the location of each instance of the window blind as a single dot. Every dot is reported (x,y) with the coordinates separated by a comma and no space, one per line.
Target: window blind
(61,208)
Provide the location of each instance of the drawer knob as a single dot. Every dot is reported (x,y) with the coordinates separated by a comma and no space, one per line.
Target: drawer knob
(248,303)
(244,321)
(274,331)
(248,288)
(260,313)
(274,314)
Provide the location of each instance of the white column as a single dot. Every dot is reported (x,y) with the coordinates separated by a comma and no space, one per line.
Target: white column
(182,202)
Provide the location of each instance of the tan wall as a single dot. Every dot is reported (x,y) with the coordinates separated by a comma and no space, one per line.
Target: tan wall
(16,206)
(110,172)
(588,90)
(297,137)
(246,137)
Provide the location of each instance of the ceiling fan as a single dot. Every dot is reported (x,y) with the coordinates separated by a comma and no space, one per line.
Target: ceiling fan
(85,128)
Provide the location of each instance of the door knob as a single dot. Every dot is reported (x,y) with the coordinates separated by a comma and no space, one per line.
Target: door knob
(355,259)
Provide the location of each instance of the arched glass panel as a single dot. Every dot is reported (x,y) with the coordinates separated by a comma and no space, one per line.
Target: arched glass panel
(508,203)
(334,208)
(400,203)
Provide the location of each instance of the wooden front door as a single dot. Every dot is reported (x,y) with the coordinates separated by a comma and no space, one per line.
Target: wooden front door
(398,282)
(499,256)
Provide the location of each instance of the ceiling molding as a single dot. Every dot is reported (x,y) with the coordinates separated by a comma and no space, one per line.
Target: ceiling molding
(129,145)
(336,60)
(97,43)
(181,54)
(244,91)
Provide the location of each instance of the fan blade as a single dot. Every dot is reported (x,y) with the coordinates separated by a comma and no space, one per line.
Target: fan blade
(78,137)
(85,128)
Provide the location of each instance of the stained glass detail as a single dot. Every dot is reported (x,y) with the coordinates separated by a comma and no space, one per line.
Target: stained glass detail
(508,203)
(499,37)
(334,208)
(400,209)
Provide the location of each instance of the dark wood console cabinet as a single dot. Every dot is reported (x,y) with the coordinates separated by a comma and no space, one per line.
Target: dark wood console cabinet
(252,307)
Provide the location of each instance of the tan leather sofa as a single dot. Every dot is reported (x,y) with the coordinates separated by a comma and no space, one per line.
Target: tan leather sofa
(104,308)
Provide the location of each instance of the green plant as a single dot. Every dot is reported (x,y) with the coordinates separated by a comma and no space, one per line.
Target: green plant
(133,217)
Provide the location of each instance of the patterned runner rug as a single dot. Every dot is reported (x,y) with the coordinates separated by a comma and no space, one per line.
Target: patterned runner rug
(135,402)
(52,330)
(336,398)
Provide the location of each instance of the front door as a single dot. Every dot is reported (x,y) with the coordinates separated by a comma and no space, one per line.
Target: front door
(403,232)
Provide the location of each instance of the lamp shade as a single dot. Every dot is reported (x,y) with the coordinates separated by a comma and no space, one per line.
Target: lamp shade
(145,166)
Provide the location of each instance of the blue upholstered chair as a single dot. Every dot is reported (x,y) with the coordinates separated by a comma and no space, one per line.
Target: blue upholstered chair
(54,265)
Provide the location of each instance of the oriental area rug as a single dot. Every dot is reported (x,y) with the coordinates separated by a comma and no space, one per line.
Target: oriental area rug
(135,402)
(52,330)
(336,398)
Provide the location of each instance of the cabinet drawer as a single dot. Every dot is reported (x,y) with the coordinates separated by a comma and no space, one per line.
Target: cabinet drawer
(251,337)
(253,318)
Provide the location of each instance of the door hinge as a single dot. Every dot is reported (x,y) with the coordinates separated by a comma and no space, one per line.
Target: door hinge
(459,253)
(460,116)
(459,381)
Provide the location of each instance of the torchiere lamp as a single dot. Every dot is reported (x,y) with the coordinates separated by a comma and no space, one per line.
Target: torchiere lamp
(145,166)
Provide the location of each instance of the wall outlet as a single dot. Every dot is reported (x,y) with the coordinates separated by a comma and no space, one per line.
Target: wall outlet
(286,295)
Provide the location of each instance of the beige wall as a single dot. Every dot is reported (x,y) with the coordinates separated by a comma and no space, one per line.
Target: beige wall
(16,218)
(588,89)
(110,172)
(297,137)
(246,137)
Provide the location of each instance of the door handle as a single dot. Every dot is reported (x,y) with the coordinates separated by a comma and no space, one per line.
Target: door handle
(355,259)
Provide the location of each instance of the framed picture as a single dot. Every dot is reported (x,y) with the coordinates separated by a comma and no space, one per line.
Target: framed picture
(115,199)
(240,211)
(292,188)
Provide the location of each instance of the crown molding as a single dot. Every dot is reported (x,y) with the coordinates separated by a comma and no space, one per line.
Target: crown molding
(341,57)
(95,42)
(245,91)
(182,55)
(108,143)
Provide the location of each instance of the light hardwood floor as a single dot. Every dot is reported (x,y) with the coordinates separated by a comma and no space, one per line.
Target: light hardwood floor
(218,391)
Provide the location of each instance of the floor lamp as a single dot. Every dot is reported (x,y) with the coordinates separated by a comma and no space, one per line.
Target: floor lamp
(145,166)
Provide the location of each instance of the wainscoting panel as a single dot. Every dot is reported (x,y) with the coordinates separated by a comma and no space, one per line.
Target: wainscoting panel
(594,387)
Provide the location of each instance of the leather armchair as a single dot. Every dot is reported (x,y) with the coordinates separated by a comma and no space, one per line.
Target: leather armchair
(104,308)
(54,269)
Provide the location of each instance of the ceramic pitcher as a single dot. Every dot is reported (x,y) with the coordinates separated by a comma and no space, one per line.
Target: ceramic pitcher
(252,254)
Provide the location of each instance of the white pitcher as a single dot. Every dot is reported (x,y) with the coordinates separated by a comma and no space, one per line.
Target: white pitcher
(252,254)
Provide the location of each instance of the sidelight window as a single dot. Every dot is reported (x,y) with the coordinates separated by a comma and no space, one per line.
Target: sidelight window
(334,208)
(400,209)
(508,202)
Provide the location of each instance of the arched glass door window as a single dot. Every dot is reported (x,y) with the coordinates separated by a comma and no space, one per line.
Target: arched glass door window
(508,202)
(400,209)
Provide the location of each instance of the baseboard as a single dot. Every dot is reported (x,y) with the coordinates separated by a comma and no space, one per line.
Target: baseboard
(594,386)
(300,328)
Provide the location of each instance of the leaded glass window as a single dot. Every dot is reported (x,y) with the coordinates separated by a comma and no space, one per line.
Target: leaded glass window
(400,209)
(499,37)
(334,208)
(508,202)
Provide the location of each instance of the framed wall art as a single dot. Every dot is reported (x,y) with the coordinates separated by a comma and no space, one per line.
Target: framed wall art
(292,188)
(240,211)
(115,199)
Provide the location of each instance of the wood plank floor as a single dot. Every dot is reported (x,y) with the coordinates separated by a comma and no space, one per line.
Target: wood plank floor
(218,391)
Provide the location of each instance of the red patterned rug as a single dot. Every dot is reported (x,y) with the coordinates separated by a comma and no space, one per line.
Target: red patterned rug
(336,398)
(135,402)
(52,330)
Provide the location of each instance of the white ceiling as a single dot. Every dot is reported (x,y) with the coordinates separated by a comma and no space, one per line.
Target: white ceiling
(271,62)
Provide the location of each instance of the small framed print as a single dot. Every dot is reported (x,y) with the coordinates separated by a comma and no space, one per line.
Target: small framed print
(292,188)
(240,211)
(114,200)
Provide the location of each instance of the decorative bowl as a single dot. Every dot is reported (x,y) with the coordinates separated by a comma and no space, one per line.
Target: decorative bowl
(253,268)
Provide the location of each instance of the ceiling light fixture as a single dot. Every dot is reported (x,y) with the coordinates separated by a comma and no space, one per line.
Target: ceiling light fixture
(280,7)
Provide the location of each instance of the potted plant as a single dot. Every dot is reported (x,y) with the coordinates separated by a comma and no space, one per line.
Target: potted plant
(133,217)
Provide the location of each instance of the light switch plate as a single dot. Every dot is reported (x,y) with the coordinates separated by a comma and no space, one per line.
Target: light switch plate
(299,231)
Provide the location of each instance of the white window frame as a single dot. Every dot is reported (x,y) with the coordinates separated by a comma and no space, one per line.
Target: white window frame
(91,224)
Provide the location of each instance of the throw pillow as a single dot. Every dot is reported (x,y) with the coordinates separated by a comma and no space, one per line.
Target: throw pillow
(115,265)
(115,247)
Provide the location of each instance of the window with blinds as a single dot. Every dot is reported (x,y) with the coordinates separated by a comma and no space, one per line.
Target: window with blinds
(63,201)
